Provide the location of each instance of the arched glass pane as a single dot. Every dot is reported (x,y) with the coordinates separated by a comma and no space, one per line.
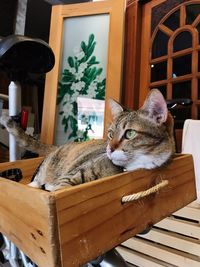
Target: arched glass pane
(160,44)
(192,11)
(160,10)
(182,41)
(182,65)
(159,71)
(173,21)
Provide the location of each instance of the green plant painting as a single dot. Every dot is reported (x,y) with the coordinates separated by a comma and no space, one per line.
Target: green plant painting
(82,77)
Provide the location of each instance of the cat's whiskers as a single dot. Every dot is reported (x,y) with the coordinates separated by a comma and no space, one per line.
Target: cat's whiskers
(151,161)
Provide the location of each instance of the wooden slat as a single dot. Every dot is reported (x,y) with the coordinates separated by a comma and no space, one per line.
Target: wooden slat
(189,213)
(27,219)
(163,253)
(140,259)
(180,226)
(173,240)
(94,211)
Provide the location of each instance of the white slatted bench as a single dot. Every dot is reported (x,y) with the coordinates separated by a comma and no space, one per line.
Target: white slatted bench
(174,241)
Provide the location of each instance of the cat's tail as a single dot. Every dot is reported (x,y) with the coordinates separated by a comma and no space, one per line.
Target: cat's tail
(24,140)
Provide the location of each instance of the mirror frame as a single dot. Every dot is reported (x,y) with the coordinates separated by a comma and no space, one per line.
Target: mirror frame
(116,11)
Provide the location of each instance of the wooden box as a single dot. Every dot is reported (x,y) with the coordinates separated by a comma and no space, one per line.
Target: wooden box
(69,227)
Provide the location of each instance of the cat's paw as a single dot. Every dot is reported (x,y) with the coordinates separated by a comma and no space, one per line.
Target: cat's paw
(4,120)
(51,187)
(34,184)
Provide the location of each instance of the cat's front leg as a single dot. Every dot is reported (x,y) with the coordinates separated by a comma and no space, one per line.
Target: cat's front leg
(35,184)
(51,187)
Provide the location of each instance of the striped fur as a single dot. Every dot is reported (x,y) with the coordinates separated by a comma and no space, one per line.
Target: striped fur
(136,139)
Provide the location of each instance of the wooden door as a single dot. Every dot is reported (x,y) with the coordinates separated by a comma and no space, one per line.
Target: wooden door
(170,48)
(132,46)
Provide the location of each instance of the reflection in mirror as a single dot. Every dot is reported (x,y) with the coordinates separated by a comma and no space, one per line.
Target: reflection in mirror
(173,21)
(192,11)
(182,65)
(182,41)
(159,71)
(182,90)
(160,45)
(163,90)
(90,118)
(82,74)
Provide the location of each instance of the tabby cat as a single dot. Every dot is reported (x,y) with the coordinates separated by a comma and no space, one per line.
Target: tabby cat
(136,139)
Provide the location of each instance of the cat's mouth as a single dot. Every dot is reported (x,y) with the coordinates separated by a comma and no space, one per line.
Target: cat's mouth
(118,163)
(117,157)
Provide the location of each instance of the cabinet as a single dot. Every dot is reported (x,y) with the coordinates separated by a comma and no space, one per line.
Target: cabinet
(165,44)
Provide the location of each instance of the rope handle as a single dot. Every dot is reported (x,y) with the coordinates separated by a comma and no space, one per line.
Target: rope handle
(145,193)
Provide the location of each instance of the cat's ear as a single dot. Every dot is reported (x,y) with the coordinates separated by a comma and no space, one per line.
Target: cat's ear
(156,107)
(115,108)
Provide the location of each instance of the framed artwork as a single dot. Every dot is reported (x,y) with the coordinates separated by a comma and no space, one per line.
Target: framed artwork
(87,40)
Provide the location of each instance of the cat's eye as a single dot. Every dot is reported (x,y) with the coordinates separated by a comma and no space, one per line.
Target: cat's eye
(110,135)
(129,134)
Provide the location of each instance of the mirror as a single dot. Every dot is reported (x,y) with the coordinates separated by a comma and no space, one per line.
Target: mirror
(87,40)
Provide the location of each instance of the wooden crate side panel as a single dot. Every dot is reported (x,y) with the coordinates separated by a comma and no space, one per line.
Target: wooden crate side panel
(92,219)
(26,219)
(27,167)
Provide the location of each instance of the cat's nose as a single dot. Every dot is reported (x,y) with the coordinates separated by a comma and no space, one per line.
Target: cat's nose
(112,149)
(113,146)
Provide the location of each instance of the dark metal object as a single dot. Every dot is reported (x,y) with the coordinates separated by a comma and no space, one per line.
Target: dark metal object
(20,55)
(111,258)
(173,103)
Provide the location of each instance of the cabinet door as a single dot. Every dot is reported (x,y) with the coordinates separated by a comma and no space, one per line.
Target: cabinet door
(170,48)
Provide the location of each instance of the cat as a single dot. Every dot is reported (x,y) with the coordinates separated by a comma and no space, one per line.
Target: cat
(135,140)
